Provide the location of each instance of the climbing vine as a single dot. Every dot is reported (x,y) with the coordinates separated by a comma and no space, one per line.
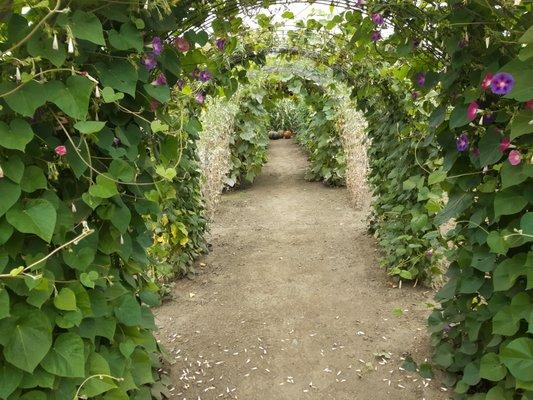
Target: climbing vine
(100,185)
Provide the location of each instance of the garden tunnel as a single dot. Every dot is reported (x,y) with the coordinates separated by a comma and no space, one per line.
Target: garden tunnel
(100,195)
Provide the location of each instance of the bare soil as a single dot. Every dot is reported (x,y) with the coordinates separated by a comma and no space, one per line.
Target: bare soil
(291,302)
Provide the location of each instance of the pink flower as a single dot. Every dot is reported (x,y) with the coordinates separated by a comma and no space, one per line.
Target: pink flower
(182,44)
(154,105)
(504,144)
(515,157)
(529,105)
(61,150)
(472,110)
(377,19)
(487,80)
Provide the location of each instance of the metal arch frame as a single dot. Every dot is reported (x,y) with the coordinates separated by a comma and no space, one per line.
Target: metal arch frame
(219,7)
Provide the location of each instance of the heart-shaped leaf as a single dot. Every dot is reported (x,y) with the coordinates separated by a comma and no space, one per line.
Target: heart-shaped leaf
(87,26)
(15,136)
(67,357)
(29,341)
(65,300)
(9,193)
(89,126)
(38,217)
(26,99)
(167,173)
(104,188)
(109,95)
(72,99)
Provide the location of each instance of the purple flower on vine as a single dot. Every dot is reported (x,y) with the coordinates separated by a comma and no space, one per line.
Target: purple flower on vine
(221,44)
(488,119)
(157,45)
(463,43)
(377,19)
(154,105)
(195,73)
(462,142)
(180,84)
(415,95)
(421,79)
(502,83)
(205,76)
(375,36)
(200,98)
(160,80)
(149,61)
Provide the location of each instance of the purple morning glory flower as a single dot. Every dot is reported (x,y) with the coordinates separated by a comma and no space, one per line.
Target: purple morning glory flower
(502,83)
(377,19)
(180,84)
(200,98)
(375,36)
(221,44)
(421,79)
(149,61)
(195,73)
(462,142)
(157,45)
(414,95)
(205,76)
(488,119)
(160,80)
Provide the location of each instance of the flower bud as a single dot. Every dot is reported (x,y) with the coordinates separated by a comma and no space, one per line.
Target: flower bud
(55,44)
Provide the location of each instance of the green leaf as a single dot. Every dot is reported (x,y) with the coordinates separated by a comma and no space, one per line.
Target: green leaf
(128,38)
(471,374)
(15,136)
(489,148)
(129,311)
(287,14)
(6,231)
(65,300)
(158,126)
(40,45)
(122,170)
(89,126)
(30,340)
(9,193)
(72,99)
(37,216)
(109,95)
(459,116)
(491,368)
(33,179)
(66,358)
(4,303)
(527,37)
(88,279)
(13,168)
(497,243)
(27,99)
(167,173)
(508,271)
(159,92)
(142,367)
(455,206)
(87,26)
(119,75)
(526,223)
(518,358)
(97,365)
(522,124)
(436,177)
(104,187)
(508,203)
(10,378)
(515,174)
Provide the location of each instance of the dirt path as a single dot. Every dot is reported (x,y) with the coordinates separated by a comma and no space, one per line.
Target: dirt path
(291,303)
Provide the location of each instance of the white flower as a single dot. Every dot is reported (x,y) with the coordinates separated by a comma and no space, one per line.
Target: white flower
(55,44)
(70,45)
